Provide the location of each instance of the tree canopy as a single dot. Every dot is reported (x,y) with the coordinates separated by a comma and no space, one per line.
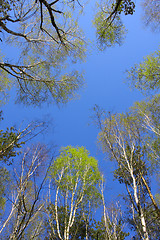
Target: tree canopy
(47,38)
(50,194)
(43,45)
(145,76)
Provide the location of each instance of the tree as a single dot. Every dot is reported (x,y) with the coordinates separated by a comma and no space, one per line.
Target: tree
(11,142)
(76,180)
(112,225)
(122,137)
(109,27)
(44,48)
(145,76)
(148,113)
(4,179)
(47,38)
(24,204)
(108,34)
(12,139)
(115,8)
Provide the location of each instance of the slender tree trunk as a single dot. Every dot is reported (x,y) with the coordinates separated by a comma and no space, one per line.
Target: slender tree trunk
(143,222)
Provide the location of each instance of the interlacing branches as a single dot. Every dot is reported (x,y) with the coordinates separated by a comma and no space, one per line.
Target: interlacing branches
(25,204)
(46,38)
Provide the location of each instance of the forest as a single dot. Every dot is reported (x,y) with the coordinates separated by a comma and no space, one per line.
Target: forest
(68,192)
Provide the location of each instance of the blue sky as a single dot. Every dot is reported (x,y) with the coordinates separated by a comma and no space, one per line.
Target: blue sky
(104,86)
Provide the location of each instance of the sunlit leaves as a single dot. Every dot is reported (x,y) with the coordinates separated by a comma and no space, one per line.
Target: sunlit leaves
(146,75)
(75,170)
(108,33)
(46,47)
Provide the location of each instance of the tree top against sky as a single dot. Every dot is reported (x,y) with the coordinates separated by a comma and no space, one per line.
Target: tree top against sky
(47,39)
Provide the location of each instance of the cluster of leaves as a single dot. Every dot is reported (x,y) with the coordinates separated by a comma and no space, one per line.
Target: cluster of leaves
(78,169)
(127,6)
(4,184)
(145,76)
(9,144)
(9,148)
(108,36)
(5,7)
(45,48)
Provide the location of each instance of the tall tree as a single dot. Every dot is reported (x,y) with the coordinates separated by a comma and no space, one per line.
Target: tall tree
(11,142)
(76,178)
(24,203)
(122,137)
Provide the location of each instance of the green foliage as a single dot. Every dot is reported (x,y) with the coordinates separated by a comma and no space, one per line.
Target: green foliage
(150,108)
(78,228)
(22,187)
(126,139)
(145,76)
(5,84)
(47,37)
(100,233)
(124,126)
(95,229)
(4,180)
(47,44)
(59,91)
(9,143)
(138,164)
(108,34)
(79,171)
(76,179)
(110,30)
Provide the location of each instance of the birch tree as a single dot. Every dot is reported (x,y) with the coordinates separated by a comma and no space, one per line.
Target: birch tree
(145,77)
(112,225)
(76,179)
(12,140)
(24,203)
(121,137)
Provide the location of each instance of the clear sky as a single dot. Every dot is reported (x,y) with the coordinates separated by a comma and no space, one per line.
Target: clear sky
(104,85)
